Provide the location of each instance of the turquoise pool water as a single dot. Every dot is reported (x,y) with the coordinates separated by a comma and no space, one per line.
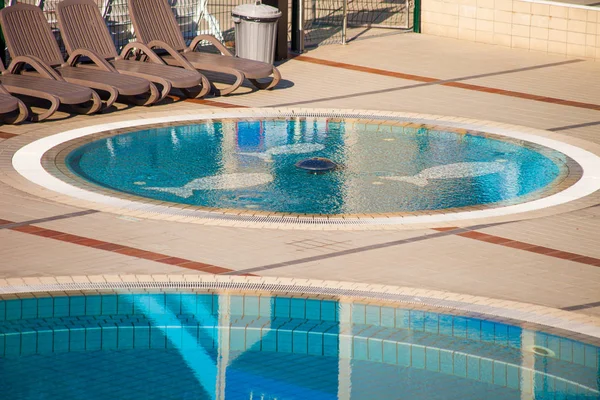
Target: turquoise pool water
(185,345)
(252,165)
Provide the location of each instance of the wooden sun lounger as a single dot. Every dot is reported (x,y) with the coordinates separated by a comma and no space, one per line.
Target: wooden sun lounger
(155,26)
(48,85)
(29,38)
(82,27)
(12,110)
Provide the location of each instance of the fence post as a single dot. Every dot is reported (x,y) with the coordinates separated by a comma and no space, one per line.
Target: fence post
(417,16)
(344,20)
(297,26)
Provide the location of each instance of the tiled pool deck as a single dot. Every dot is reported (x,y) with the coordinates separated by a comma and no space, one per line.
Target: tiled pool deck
(549,257)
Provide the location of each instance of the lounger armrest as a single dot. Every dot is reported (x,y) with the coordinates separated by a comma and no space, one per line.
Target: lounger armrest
(38,65)
(181,60)
(129,48)
(92,55)
(213,40)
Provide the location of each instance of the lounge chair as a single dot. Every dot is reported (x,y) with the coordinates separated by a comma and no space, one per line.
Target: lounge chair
(28,36)
(48,85)
(155,26)
(82,27)
(12,110)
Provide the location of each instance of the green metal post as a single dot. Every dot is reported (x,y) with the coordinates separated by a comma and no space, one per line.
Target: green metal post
(417,17)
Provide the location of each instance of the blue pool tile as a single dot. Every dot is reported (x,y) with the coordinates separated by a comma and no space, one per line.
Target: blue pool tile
(488,332)
(500,374)
(45,307)
(173,303)
(269,340)
(514,336)
(236,305)
(237,339)
(2,310)
(125,304)
(330,344)
(473,367)
(417,356)
(300,341)
(432,323)
(204,304)
(375,347)
(390,354)
(315,343)
(156,303)
(12,343)
(360,348)
(579,353)
(61,306)
(28,343)
(446,362)
(501,334)
(298,308)
(512,376)
(29,308)
(109,337)
(313,309)
(157,338)
(109,304)
(77,339)
(417,320)
(282,307)
(93,338)
(13,309)
(486,370)
(77,305)
(445,324)
(459,327)
(566,350)
(432,359)
(174,336)
(591,357)
(404,354)
(125,337)
(61,339)
(553,343)
(372,315)
(402,319)
(253,339)
(460,364)
(284,341)
(329,310)
(474,329)
(251,306)
(388,317)
(93,305)
(266,305)
(358,313)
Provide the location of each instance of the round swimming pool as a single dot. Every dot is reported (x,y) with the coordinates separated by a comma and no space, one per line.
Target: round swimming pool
(320,166)
(192,345)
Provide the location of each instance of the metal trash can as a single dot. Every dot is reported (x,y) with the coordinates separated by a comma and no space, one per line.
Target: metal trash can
(255,31)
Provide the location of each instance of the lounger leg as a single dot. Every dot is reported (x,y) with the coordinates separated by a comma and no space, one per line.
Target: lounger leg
(87,108)
(147,100)
(166,85)
(222,92)
(55,103)
(196,94)
(20,117)
(268,85)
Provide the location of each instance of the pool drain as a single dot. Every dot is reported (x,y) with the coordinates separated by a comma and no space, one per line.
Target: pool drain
(542,351)
(317,164)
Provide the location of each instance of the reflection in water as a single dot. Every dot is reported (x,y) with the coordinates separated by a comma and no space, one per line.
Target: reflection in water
(180,345)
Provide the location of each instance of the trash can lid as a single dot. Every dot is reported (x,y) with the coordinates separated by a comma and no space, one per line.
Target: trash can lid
(257,12)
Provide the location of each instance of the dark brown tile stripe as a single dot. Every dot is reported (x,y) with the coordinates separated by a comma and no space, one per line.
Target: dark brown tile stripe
(117,248)
(369,70)
(450,83)
(532,248)
(6,135)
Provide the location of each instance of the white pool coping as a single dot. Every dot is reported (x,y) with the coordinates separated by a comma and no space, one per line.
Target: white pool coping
(27,161)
